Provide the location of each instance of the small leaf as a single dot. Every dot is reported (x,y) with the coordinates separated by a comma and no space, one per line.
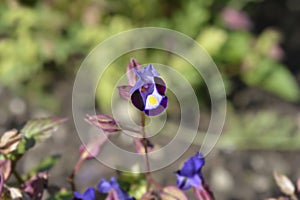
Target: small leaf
(173,193)
(124,92)
(284,183)
(41,128)
(103,122)
(9,141)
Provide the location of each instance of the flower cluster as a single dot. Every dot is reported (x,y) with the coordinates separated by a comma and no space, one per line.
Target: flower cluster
(147,92)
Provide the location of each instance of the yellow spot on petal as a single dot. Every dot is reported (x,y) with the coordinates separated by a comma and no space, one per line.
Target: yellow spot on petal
(152,100)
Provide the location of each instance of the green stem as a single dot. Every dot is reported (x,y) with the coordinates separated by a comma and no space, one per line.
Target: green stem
(147,174)
(14,171)
(72,182)
(17,175)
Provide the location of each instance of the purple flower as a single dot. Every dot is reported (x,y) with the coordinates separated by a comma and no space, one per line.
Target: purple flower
(105,187)
(89,194)
(190,174)
(148,93)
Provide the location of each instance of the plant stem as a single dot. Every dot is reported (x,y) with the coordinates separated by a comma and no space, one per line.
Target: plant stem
(17,175)
(71,178)
(14,171)
(147,174)
(71,181)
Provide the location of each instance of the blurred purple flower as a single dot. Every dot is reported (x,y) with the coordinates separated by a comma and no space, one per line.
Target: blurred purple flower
(148,93)
(236,19)
(190,174)
(105,187)
(35,186)
(89,194)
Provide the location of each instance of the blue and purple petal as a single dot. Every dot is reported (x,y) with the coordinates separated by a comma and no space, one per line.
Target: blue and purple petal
(89,194)
(190,174)
(148,94)
(105,186)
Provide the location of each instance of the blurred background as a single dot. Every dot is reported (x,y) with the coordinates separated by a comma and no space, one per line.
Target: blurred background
(254,43)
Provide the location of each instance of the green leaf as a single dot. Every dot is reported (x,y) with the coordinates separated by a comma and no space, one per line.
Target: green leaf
(273,77)
(236,47)
(25,144)
(47,164)
(62,195)
(212,39)
(134,183)
(42,128)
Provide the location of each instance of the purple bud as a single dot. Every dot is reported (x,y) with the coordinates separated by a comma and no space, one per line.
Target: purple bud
(103,122)
(131,76)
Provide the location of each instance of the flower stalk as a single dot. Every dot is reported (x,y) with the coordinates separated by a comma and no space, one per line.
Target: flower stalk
(147,164)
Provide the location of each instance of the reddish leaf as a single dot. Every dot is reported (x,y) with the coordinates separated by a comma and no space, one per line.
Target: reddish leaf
(103,122)
(131,77)
(124,92)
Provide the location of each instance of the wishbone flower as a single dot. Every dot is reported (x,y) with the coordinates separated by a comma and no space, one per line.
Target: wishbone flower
(148,93)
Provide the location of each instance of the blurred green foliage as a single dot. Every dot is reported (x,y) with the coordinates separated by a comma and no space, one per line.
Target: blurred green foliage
(45,41)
